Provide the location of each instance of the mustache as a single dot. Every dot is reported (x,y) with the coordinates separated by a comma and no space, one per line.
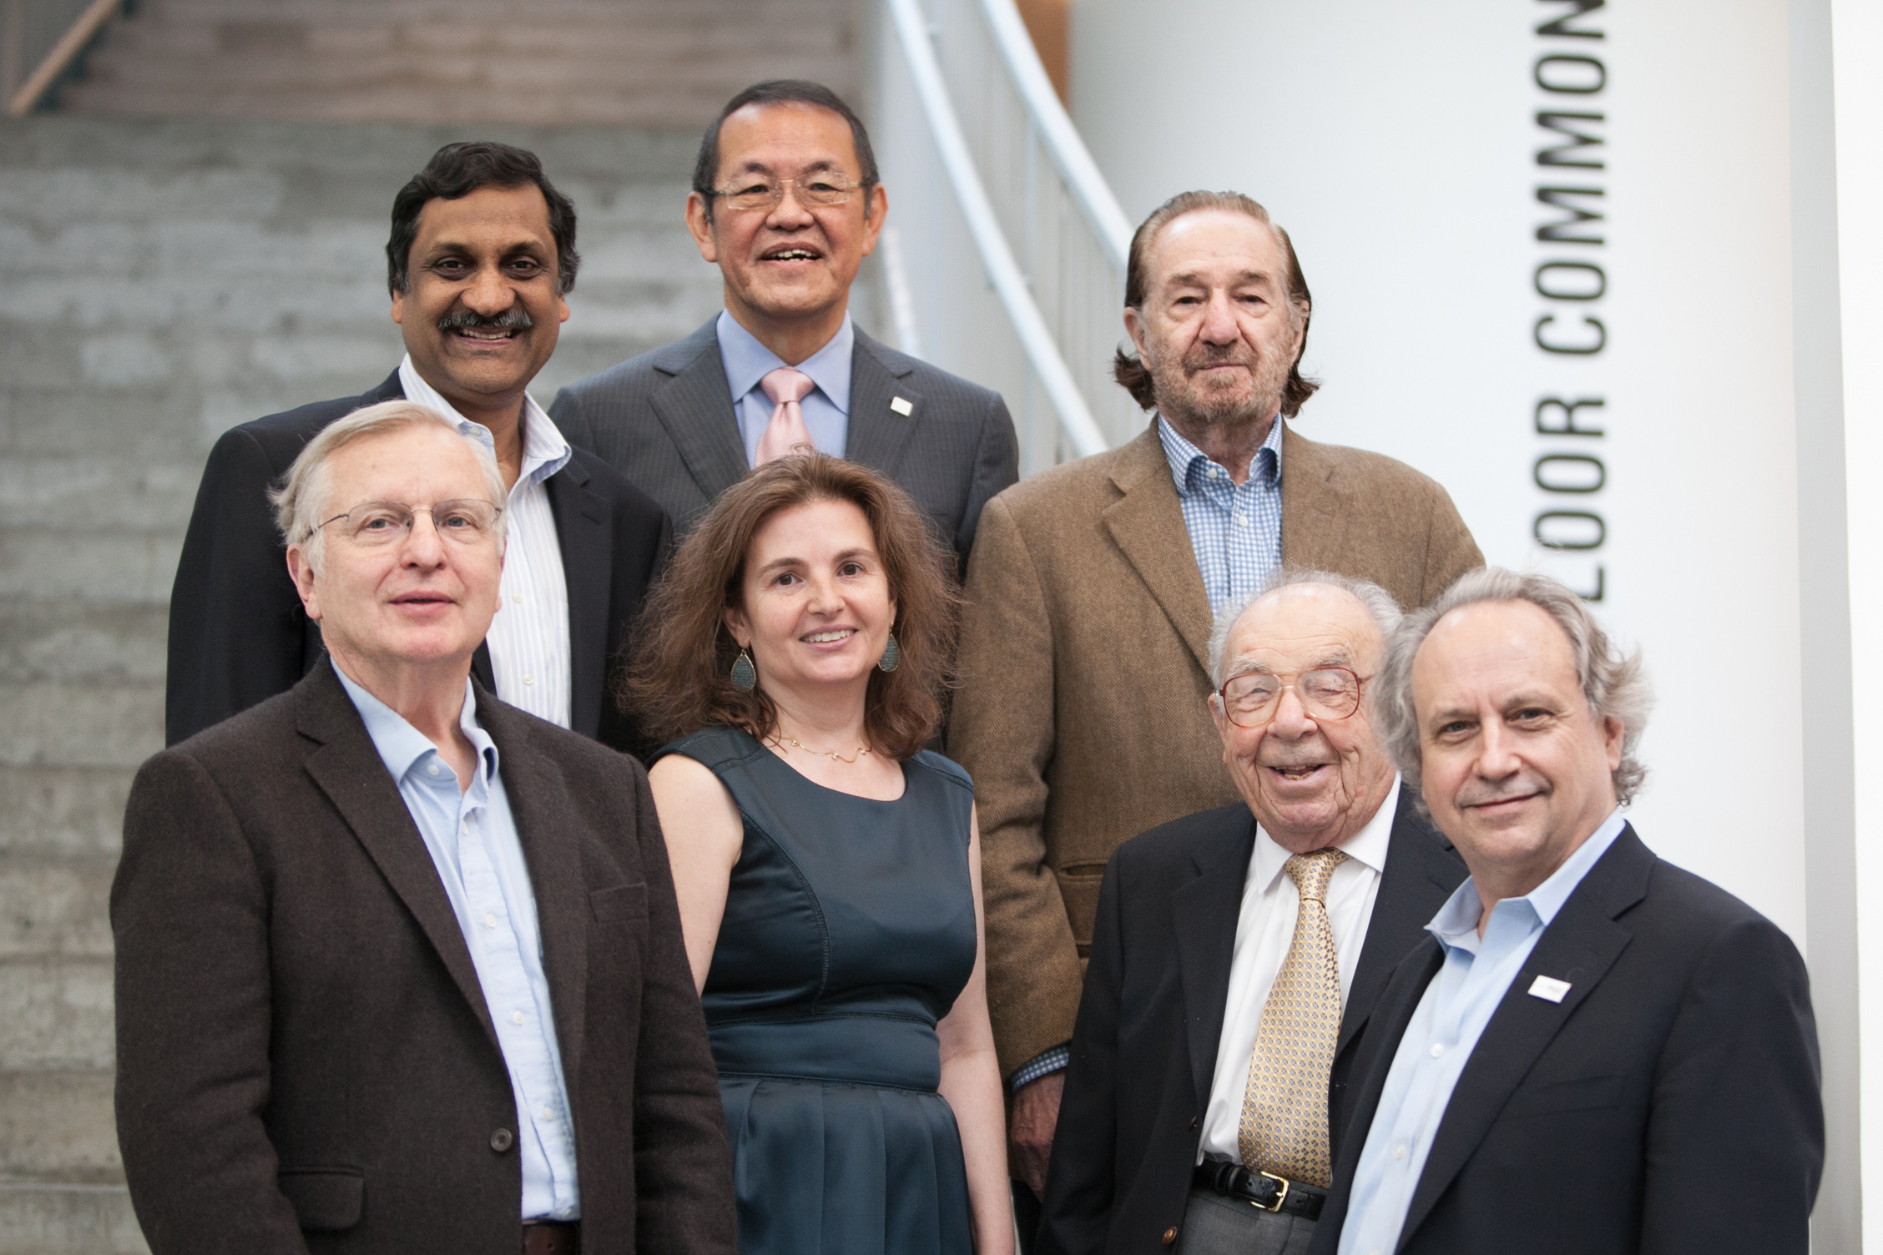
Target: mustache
(516,316)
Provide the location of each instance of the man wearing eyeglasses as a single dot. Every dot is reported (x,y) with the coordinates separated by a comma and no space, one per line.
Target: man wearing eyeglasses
(1230,957)
(399,967)
(787,203)
(480,262)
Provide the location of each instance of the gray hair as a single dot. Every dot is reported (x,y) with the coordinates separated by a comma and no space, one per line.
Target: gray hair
(301,501)
(1378,601)
(1615,686)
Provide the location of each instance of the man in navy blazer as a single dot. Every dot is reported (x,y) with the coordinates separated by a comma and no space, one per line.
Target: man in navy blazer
(1593,1050)
(787,203)
(480,259)
(1193,922)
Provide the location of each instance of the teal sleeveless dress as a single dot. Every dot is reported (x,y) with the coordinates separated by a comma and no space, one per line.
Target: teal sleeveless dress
(848,933)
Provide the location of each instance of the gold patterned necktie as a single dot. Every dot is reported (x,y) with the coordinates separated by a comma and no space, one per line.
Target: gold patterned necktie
(1284,1109)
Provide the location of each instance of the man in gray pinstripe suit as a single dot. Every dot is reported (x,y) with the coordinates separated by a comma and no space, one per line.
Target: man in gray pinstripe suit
(787,203)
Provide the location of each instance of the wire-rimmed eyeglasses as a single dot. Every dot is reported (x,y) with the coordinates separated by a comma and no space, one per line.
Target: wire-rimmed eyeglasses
(764,193)
(1252,698)
(466,521)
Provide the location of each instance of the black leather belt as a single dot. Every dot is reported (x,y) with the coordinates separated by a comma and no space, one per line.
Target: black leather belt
(1262,1189)
(549,1237)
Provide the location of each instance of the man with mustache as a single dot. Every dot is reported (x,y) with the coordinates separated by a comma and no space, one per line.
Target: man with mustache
(1084,658)
(480,262)
(787,203)
(1230,956)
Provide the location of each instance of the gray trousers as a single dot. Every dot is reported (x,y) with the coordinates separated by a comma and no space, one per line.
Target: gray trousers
(1215,1225)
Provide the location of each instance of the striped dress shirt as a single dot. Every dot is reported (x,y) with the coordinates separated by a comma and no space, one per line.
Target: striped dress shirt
(529,638)
(1235,529)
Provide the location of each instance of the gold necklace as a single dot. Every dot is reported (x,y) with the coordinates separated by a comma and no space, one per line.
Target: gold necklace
(861,749)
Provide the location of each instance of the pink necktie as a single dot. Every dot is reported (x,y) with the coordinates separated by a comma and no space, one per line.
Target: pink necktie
(786,433)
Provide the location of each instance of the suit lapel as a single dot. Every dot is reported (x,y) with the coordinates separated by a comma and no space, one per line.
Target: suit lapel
(1204,916)
(1578,946)
(546,828)
(583,535)
(1314,516)
(878,435)
(695,406)
(1422,870)
(349,771)
(1147,524)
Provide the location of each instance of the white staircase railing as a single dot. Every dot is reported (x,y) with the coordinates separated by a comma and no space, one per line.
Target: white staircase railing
(980,156)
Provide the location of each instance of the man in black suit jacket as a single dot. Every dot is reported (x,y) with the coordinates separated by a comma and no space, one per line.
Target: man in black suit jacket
(481,255)
(1593,1050)
(399,967)
(1194,919)
(786,202)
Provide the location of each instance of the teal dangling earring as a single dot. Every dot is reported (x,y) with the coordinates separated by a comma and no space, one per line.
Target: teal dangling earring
(744,674)
(892,655)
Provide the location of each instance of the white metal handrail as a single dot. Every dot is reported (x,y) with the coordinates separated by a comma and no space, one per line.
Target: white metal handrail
(1042,353)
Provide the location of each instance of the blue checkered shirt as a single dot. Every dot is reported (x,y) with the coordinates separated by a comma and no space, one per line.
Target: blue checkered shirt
(1234,529)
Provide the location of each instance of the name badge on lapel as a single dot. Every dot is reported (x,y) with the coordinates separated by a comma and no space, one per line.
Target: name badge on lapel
(1548,988)
(902,406)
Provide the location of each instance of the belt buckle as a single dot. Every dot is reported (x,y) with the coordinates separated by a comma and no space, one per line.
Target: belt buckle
(1279,1198)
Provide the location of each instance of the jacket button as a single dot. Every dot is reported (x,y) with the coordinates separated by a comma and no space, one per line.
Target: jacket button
(1193,1121)
(1170,1235)
(503,1139)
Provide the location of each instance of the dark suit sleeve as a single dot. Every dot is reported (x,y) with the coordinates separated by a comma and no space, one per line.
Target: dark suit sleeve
(682,1167)
(1076,1213)
(190,921)
(1735,1140)
(996,467)
(236,632)
(567,414)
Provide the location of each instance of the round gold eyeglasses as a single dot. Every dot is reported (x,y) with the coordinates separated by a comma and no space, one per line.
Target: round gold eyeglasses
(1251,699)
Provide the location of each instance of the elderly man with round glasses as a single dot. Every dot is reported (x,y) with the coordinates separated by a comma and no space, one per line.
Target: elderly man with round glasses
(399,966)
(1229,944)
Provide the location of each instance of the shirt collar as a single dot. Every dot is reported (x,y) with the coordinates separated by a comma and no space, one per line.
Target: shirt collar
(1189,465)
(1457,920)
(747,361)
(1367,846)
(544,450)
(402,747)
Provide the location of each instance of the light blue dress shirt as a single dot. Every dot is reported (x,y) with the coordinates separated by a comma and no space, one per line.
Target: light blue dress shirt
(826,407)
(1443,1032)
(1235,529)
(472,838)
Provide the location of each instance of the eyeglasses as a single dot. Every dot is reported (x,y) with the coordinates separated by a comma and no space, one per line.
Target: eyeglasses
(1251,700)
(757,193)
(466,521)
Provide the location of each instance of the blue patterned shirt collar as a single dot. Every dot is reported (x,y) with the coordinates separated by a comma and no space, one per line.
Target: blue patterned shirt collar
(403,747)
(1456,924)
(747,361)
(544,450)
(1190,466)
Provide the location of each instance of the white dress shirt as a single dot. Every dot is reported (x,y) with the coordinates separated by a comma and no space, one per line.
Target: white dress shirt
(826,407)
(1265,929)
(471,835)
(529,638)
(1444,1030)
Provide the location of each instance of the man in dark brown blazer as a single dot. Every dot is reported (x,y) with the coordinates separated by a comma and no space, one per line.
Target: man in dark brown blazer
(399,967)
(1083,712)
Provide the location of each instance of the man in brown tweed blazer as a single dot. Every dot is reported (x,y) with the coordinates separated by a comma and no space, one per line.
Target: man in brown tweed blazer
(1085,675)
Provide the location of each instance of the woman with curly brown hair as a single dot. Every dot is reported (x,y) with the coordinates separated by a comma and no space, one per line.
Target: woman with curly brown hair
(827,866)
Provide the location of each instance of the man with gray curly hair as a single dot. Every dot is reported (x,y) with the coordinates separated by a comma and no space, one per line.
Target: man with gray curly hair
(1593,1050)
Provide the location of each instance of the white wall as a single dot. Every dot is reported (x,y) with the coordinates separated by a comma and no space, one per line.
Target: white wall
(1398,143)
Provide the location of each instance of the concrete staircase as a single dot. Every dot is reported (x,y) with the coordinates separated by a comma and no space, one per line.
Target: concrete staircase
(628,62)
(165,279)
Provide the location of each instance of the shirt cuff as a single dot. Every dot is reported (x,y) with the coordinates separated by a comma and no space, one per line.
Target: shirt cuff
(1042,1064)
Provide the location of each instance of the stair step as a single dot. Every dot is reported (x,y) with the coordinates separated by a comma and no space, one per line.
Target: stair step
(82,641)
(57,1126)
(80,725)
(55,908)
(64,1219)
(56,1014)
(38,564)
(70,812)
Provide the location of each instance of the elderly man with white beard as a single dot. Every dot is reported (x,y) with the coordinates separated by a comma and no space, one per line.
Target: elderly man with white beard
(1228,943)
(1084,650)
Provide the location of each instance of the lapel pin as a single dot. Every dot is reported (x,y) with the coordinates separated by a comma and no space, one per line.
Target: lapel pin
(1549,988)
(903,406)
